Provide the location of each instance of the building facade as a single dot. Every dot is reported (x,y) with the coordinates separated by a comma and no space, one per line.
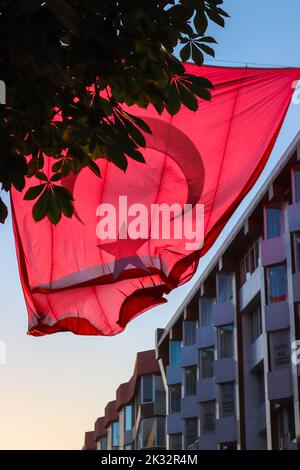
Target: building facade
(136,418)
(228,356)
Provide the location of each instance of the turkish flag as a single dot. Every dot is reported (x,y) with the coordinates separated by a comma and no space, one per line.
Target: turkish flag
(137,235)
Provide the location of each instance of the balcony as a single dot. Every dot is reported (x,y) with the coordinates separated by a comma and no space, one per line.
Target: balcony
(188,356)
(277,316)
(280,384)
(226,429)
(207,442)
(273,251)
(251,288)
(174,423)
(189,407)
(294,217)
(174,374)
(223,313)
(205,337)
(206,389)
(225,370)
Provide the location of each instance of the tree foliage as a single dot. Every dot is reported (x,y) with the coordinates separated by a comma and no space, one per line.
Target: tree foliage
(69,65)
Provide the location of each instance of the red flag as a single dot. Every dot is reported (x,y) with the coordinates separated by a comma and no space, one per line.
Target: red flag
(128,244)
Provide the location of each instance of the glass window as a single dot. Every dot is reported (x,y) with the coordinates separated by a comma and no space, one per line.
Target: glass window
(297,251)
(175,348)
(208,417)
(256,323)
(190,381)
(147,386)
(250,262)
(103,443)
(224,287)
(175,441)
(297,185)
(152,433)
(280,349)
(261,387)
(206,312)
(274,222)
(115,434)
(175,398)
(191,431)
(227,399)
(189,332)
(277,283)
(161,432)
(128,418)
(226,347)
(206,363)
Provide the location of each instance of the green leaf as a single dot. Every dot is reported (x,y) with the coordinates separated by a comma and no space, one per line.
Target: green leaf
(207,49)
(56,177)
(40,208)
(34,192)
(197,55)
(208,39)
(94,167)
(200,21)
(188,99)
(3,211)
(40,175)
(64,198)
(54,210)
(185,52)
(173,100)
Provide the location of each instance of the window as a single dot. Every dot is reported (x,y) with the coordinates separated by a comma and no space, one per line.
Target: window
(256,323)
(285,420)
(277,283)
(280,349)
(297,185)
(190,381)
(250,262)
(175,441)
(175,398)
(189,333)
(102,443)
(297,251)
(206,312)
(274,222)
(191,431)
(147,389)
(152,433)
(227,399)
(128,447)
(128,418)
(226,348)
(208,417)
(175,348)
(260,388)
(206,363)
(115,434)
(224,287)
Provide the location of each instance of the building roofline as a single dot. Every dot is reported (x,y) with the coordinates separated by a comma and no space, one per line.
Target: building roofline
(287,155)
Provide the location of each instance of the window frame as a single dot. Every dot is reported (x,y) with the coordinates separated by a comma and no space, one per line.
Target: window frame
(219,340)
(274,205)
(185,381)
(142,388)
(201,369)
(285,296)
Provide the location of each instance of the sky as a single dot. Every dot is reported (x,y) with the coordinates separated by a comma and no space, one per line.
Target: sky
(53,388)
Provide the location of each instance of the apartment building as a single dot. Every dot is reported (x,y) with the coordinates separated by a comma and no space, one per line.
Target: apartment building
(136,418)
(226,355)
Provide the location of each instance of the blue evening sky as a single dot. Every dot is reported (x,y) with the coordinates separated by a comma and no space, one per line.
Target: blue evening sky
(54,387)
